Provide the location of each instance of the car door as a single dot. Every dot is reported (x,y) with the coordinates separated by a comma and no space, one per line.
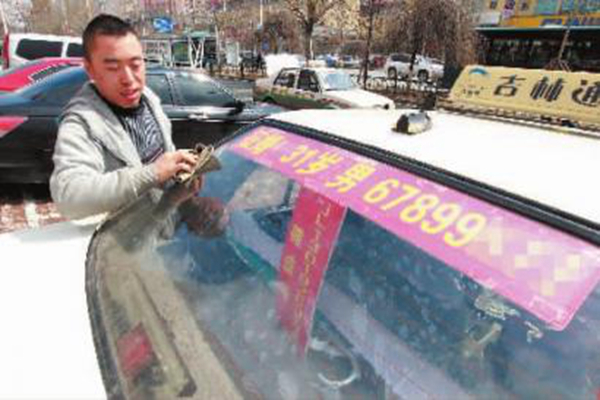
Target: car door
(403,64)
(309,90)
(203,111)
(284,88)
(42,107)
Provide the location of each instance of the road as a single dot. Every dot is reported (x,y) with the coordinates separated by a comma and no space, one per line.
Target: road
(30,206)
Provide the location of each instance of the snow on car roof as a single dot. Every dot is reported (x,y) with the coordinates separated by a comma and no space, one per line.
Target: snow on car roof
(537,163)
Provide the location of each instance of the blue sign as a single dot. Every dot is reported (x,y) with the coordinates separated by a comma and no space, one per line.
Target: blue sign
(163,25)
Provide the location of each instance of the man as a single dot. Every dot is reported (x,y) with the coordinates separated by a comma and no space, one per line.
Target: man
(114,141)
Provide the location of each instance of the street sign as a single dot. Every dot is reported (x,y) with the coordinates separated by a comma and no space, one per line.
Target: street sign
(163,25)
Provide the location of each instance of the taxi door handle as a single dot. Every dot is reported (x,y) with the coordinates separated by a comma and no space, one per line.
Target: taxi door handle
(198,117)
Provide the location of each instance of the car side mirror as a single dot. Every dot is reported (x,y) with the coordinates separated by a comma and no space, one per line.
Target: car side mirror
(239,106)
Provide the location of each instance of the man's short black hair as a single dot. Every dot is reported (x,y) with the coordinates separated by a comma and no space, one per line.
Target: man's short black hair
(104,24)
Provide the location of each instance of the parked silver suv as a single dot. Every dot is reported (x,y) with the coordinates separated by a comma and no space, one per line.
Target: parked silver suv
(425,69)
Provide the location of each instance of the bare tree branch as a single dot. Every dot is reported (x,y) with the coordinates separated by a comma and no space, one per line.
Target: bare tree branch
(309,13)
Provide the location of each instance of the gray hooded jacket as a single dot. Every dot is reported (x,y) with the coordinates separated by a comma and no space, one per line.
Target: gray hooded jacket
(96,165)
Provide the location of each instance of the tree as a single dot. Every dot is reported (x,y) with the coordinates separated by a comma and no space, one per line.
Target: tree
(343,24)
(76,16)
(437,28)
(370,10)
(45,18)
(309,13)
(233,24)
(278,31)
(15,15)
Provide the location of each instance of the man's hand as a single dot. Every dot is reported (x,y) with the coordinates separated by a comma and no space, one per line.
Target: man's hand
(179,194)
(171,163)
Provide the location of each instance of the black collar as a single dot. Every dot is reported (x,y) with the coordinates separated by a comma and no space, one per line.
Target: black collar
(120,111)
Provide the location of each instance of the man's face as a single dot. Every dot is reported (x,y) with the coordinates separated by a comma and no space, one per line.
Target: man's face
(117,68)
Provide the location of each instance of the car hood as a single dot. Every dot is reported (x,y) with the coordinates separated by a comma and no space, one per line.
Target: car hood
(47,346)
(8,99)
(256,110)
(359,98)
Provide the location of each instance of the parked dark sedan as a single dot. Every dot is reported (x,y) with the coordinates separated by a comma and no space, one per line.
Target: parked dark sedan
(200,109)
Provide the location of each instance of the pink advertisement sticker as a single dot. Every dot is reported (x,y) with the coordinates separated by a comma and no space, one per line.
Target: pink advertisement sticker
(310,238)
(545,271)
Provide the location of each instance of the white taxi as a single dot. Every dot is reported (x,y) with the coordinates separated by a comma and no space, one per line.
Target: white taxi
(296,88)
(368,254)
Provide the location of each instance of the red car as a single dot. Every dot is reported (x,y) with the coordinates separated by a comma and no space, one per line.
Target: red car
(33,71)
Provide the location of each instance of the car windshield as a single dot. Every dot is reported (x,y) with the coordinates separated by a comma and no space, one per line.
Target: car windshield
(297,272)
(198,89)
(337,80)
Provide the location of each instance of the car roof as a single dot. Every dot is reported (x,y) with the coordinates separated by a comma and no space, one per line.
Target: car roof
(317,69)
(44,36)
(539,163)
(43,295)
(78,73)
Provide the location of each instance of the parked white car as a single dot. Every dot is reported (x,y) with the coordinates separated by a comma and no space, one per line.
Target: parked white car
(425,69)
(18,48)
(297,88)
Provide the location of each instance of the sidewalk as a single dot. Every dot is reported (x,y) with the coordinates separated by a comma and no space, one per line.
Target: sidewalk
(22,208)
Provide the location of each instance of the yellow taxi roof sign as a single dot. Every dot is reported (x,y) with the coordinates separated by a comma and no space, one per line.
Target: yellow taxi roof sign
(566,95)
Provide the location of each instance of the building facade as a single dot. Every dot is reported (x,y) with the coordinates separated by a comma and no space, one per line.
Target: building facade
(539,13)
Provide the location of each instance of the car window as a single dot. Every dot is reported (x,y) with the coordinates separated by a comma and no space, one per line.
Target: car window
(401,58)
(307,80)
(75,50)
(60,94)
(31,49)
(70,81)
(198,90)
(161,87)
(334,273)
(337,80)
(286,79)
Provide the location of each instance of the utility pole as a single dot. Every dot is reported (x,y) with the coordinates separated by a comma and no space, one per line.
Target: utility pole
(4,22)
(88,10)
(63,9)
(260,23)
(559,63)
(193,14)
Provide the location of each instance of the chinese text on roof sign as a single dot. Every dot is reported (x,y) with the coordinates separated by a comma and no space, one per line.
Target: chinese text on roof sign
(558,94)
(543,270)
